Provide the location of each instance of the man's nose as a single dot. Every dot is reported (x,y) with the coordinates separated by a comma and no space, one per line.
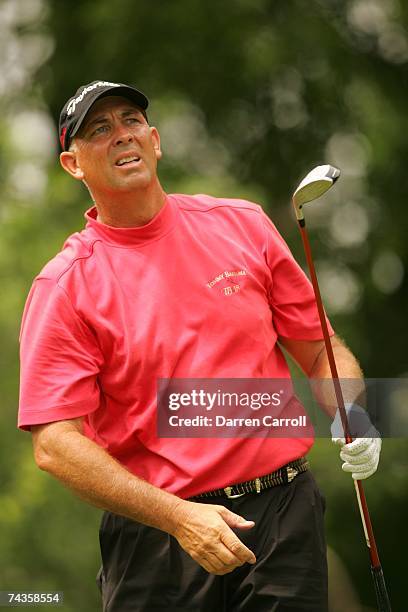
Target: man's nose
(123,135)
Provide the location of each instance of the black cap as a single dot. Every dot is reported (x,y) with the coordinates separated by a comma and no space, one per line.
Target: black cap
(75,109)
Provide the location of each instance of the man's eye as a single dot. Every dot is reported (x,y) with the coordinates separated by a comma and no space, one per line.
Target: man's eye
(132,120)
(100,130)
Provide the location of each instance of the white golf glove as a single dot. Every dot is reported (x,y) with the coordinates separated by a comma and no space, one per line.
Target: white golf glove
(361,456)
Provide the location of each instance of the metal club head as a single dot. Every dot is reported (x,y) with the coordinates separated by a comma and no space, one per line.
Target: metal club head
(315,184)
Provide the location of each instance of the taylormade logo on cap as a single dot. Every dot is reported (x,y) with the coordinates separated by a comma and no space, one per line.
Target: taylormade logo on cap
(72,105)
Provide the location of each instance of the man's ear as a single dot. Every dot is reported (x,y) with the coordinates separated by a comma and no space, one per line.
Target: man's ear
(69,162)
(156,142)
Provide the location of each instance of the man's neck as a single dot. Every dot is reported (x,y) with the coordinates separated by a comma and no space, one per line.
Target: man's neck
(132,209)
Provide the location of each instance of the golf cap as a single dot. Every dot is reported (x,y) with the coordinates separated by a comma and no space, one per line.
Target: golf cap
(76,108)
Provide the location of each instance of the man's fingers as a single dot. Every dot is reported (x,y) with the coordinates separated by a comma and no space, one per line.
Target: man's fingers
(238,549)
(235,520)
(363,467)
(224,560)
(364,457)
(225,555)
(359,445)
(359,472)
(366,450)
(231,541)
(363,475)
(219,561)
(208,563)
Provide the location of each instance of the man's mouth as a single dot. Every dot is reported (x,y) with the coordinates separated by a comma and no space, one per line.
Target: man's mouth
(127,160)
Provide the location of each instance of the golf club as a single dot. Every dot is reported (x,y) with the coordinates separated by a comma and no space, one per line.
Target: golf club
(315,184)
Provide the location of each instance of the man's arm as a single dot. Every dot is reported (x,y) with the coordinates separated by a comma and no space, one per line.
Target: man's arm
(311,356)
(361,456)
(203,530)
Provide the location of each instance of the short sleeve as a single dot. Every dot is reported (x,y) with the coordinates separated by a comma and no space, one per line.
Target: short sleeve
(59,359)
(291,295)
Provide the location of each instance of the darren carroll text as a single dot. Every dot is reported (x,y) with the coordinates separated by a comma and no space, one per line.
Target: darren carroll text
(221,421)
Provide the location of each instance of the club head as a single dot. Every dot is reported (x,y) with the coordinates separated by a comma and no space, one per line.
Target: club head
(315,184)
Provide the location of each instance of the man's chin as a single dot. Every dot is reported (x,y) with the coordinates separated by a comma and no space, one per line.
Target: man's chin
(132,183)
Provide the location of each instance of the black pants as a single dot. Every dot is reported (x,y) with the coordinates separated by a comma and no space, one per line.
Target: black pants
(145,569)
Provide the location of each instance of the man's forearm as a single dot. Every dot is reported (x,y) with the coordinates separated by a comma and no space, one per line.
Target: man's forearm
(350,375)
(90,472)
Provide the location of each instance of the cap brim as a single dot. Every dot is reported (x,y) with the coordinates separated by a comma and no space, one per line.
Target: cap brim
(127,92)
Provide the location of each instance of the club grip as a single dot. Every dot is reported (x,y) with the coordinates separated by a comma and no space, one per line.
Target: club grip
(383,601)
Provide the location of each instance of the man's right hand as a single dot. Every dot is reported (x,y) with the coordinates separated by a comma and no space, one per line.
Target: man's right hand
(203,531)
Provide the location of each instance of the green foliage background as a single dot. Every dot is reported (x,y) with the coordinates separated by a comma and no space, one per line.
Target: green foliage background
(248,96)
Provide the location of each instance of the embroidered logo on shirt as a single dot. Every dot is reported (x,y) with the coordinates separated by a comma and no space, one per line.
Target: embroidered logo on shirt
(228,275)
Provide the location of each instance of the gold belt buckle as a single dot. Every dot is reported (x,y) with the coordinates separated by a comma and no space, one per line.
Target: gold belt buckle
(291,472)
(228,490)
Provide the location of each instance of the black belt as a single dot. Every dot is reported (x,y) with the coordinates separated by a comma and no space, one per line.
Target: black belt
(284,475)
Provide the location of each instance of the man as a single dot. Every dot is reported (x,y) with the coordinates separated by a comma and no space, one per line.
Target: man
(143,294)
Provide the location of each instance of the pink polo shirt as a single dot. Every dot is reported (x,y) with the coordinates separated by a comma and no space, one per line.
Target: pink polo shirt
(119,308)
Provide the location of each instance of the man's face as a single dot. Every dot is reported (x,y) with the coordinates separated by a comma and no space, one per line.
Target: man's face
(115,149)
